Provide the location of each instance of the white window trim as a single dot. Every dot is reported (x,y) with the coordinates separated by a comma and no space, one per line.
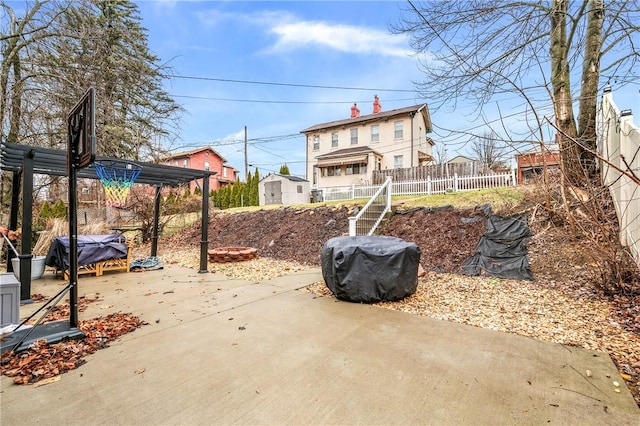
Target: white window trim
(395,129)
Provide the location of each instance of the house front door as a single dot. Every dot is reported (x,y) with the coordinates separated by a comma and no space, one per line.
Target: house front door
(273,192)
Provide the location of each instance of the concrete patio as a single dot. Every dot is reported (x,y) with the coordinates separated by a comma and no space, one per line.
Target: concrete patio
(225,351)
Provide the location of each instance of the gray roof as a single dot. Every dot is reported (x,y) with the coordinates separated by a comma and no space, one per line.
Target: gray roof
(363,119)
(348,151)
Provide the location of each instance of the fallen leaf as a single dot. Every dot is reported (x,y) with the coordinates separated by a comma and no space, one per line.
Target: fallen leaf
(47,381)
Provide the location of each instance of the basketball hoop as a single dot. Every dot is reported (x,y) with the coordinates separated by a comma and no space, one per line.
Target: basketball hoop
(117,178)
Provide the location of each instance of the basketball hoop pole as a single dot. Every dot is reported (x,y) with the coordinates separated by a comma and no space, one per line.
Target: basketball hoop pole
(80,153)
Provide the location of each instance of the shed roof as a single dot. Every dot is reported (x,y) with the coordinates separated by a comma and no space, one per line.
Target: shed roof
(53,162)
(289,177)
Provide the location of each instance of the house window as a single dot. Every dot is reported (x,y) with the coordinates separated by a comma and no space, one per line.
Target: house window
(184,163)
(177,163)
(207,167)
(354,136)
(299,189)
(356,169)
(333,171)
(375,133)
(397,126)
(397,161)
(334,140)
(85,191)
(224,172)
(316,142)
(315,175)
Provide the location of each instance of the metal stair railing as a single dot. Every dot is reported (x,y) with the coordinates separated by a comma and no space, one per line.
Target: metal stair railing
(371,215)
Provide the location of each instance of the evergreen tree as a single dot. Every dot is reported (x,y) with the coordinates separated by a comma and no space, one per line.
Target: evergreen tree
(59,210)
(45,211)
(284,170)
(255,195)
(246,190)
(225,198)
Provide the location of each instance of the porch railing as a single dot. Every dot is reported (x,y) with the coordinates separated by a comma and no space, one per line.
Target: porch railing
(428,186)
(372,214)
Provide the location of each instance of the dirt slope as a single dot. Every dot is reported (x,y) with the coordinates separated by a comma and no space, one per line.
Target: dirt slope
(298,235)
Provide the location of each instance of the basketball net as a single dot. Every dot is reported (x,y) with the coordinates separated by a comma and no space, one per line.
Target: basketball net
(117,180)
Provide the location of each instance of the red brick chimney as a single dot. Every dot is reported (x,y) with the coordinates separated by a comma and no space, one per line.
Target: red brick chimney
(355,112)
(376,105)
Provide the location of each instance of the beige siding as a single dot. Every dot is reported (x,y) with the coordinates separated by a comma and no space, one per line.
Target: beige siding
(388,145)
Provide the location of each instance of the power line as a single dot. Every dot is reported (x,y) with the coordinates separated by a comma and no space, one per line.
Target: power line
(263,101)
(270,83)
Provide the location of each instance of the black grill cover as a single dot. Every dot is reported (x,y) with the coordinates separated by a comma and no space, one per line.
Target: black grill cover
(370,269)
(502,250)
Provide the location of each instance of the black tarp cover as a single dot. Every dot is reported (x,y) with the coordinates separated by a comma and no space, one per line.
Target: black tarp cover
(91,249)
(370,269)
(502,250)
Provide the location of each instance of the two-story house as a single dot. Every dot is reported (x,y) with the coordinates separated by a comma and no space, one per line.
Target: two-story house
(345,152)
(205,158)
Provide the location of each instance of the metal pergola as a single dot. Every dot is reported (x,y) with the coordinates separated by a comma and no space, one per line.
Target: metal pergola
(25,161)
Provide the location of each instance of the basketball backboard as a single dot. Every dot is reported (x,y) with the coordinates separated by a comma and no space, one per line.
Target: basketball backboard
(82,131)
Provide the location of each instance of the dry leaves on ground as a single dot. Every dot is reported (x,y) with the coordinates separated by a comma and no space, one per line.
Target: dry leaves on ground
(61,311)
(255,270)
(42,360)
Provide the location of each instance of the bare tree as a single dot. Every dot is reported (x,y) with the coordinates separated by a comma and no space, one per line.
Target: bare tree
(476,50)
(489,150)
(440,154)
(54,51)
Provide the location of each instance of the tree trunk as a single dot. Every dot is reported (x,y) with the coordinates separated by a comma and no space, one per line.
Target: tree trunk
(16,102)
(561,83)
(590,80)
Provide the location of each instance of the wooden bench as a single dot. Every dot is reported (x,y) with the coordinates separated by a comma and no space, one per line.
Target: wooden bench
(98,268)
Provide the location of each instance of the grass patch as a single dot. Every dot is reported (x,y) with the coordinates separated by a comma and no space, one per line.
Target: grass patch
(499,198)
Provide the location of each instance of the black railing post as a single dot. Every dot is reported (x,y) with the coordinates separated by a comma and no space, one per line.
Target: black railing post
(156,221)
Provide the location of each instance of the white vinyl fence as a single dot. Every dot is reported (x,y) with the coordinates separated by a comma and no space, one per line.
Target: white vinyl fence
(429,186)
(620,145)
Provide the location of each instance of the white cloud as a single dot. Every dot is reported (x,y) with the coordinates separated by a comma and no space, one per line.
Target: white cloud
(291,33)
(343,38)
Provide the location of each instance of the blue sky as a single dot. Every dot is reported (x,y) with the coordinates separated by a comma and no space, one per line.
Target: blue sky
(339,44)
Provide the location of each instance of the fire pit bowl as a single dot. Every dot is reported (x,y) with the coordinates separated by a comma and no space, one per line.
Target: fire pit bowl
(232,254)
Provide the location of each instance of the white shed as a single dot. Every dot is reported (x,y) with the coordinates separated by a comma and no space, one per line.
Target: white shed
(283,189)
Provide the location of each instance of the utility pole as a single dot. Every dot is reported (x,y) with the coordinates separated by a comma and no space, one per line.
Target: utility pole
(246,161)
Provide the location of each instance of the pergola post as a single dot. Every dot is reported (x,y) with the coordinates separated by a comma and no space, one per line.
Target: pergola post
(27,213)
(156,221)
(204,242)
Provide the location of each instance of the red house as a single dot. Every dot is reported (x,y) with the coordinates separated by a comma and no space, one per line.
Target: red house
(204,159)
(531,163)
